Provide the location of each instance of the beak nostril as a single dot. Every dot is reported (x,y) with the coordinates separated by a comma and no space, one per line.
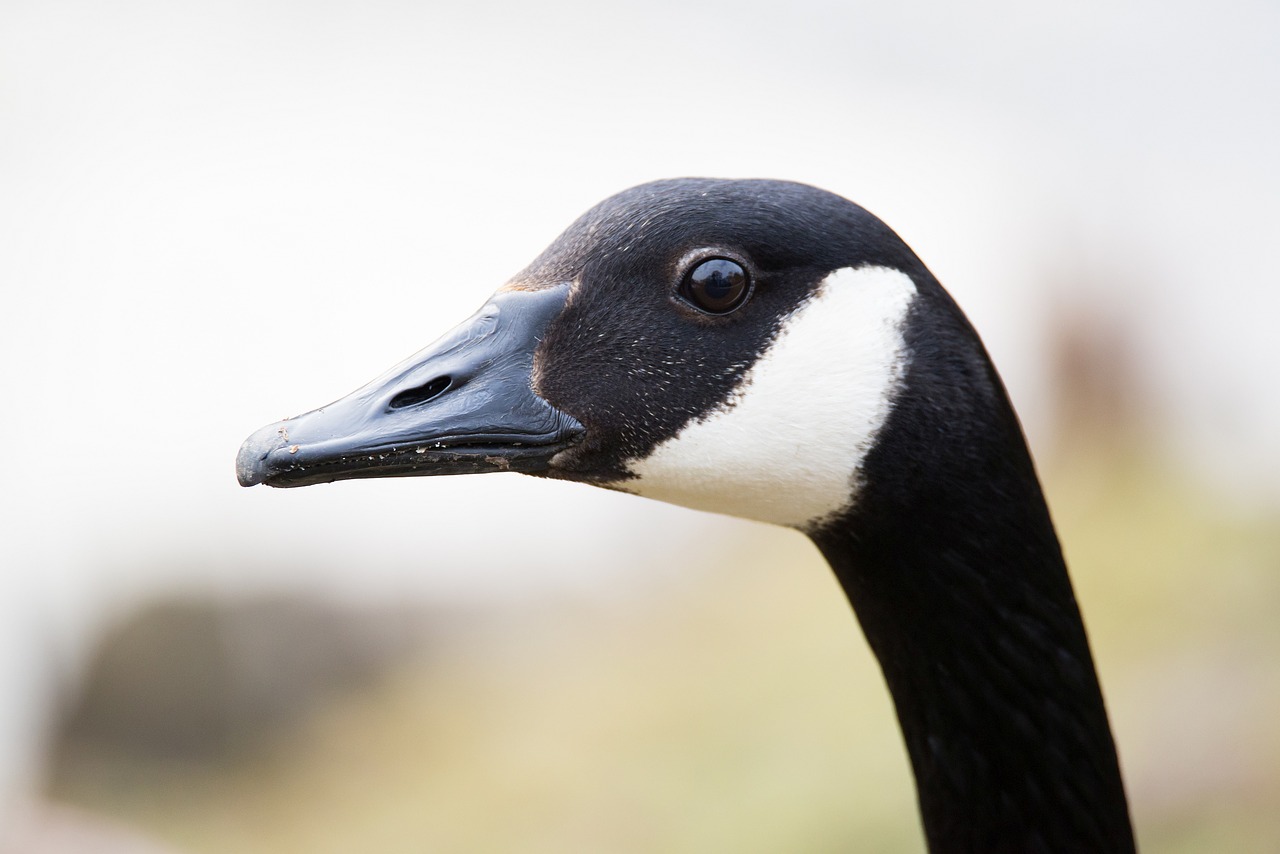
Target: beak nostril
(420,394)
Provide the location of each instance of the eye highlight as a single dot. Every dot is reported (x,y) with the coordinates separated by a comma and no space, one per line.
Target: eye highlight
(716,286)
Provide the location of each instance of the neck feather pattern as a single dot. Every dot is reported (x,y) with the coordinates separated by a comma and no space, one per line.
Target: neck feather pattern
(951,563)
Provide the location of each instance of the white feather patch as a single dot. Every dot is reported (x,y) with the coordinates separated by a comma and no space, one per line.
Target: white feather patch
(788,445)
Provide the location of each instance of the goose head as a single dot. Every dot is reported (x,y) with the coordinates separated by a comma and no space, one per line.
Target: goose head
(733,346)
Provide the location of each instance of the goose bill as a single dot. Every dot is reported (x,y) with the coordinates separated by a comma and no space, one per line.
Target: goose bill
(464,405)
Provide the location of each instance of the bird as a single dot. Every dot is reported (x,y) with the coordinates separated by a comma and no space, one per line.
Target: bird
(770,350)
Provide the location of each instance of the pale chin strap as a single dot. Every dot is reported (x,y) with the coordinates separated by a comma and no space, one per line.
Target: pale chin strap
(788,444)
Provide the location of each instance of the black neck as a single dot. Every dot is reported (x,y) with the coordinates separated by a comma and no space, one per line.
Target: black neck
(951,563)
(986,658)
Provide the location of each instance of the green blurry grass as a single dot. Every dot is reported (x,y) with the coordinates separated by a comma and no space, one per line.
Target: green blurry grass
(736,708)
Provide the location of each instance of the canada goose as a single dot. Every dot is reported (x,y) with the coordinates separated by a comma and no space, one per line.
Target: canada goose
(770,350)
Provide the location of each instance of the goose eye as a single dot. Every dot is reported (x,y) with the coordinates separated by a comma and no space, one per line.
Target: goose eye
(717,286)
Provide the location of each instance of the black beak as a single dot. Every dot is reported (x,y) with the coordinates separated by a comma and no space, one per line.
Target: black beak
(464,405)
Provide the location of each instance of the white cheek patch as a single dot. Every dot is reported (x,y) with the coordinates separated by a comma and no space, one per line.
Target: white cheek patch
(788,445)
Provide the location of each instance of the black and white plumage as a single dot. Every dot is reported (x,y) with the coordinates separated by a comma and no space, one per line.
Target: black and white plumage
(772,351)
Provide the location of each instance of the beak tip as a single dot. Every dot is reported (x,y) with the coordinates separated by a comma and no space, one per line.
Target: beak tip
(251,462)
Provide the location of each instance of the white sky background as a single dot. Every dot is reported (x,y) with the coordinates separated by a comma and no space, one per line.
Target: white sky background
(214,215)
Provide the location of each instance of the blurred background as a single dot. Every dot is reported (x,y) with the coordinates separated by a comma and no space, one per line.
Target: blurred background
(217,215)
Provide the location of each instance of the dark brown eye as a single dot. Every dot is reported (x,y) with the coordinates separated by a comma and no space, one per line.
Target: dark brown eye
(717,286)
